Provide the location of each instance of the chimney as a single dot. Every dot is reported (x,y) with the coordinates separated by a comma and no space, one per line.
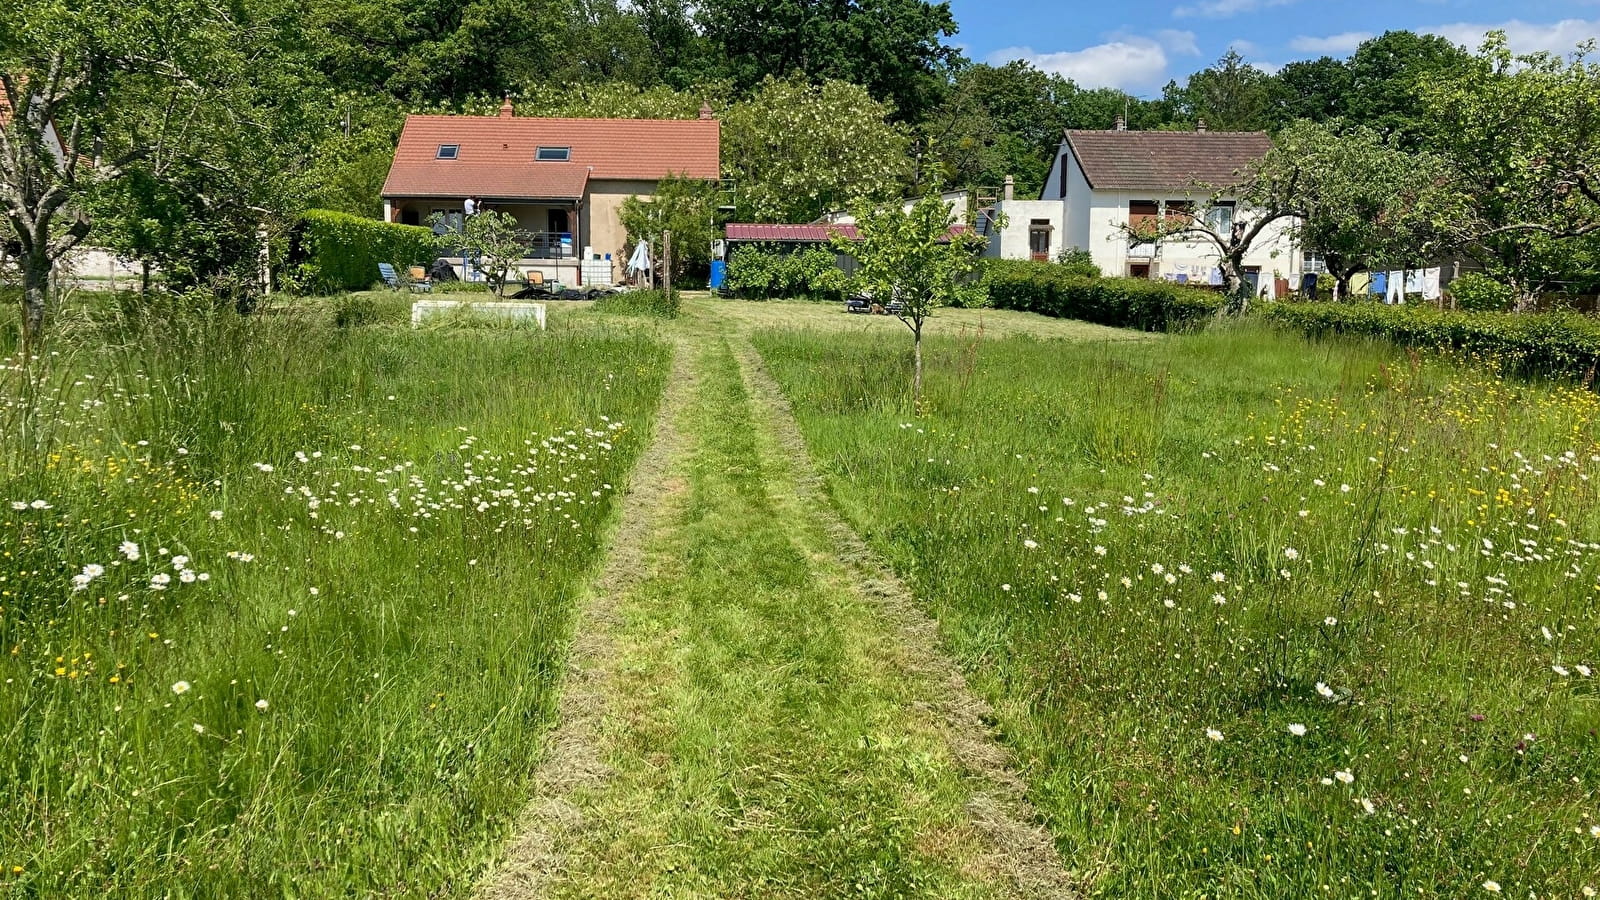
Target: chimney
(705,112)
(506,110)
(1200,126)
(1122,124)
(1010,189)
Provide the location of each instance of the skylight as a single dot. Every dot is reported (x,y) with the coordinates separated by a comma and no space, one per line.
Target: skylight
(554,154)
(448,151)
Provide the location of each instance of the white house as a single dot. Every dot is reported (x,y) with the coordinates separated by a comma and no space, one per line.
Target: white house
(1103,181)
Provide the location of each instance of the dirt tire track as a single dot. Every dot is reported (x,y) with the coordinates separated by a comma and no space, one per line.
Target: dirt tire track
(1022,851)
(572,760)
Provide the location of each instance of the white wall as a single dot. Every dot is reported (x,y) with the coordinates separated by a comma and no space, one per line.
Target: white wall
(1273,251)
(1011,242)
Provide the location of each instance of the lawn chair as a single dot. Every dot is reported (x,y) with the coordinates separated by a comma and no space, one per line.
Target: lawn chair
(420,280)
(533,285)
(389,276)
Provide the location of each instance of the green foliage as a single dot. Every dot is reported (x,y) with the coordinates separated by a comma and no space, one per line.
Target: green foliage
(1077,261)
(1362,201)
(1231,95)
(1055,290)
(685,206)
(646,304)
(1476,292)
(796,150)
(621,100)
(422,770)
(341,252)
(1565,344)
(1524,159)
(762,273)
(494,236)
(892,48)
(1064,536)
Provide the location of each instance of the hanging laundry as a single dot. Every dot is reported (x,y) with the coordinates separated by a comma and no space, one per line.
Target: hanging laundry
(1378,283)
(1430,285)
(1413,281)
(1215,277)
(1359,283)
(1397,288)
(1308,284)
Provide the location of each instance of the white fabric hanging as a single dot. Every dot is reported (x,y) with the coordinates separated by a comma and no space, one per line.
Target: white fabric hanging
(639,262)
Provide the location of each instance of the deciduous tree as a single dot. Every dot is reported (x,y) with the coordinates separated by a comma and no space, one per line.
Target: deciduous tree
(912,256)
(797,149)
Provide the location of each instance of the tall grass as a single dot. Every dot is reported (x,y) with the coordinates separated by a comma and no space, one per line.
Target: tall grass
(281,604)
(1264,618)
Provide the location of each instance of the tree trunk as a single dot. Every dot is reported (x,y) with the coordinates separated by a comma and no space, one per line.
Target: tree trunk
(916,367)
(1238,290)
(35,301)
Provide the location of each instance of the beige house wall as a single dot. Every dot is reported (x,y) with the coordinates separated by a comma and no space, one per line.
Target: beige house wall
(602,218)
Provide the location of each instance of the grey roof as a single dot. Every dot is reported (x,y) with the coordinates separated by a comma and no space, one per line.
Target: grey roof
(1165,160)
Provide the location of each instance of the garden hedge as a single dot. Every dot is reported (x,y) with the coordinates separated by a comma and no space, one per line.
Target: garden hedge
(341,252)
(1528,343)
(760,273)
(1054,290)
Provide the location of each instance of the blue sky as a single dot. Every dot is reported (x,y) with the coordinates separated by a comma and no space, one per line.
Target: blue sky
(1137,45)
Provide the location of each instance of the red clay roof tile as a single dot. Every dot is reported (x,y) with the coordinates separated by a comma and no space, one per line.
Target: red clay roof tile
(496,160)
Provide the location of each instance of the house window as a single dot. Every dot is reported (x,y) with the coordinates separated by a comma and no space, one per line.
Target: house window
(554,154)
(1220,217)
(1039,239)
(1313,263)
(1143,213)
(1181,212)
(449,151)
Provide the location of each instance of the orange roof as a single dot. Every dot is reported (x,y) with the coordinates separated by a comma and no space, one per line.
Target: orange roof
(496,159)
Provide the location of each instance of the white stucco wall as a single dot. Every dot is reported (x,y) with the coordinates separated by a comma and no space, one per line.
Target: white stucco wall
(1274,251)
(1011,242)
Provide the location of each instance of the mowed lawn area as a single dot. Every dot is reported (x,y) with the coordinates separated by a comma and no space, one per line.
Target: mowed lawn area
(1262,617)
(283,606)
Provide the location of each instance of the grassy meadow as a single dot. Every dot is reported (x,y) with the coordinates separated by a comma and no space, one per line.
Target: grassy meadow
(282,604)
(1261,617)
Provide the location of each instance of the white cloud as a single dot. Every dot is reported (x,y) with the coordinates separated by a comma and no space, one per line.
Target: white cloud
(1525,37)
(1345,42)
(1178,41)
(1223,9)
(1131,63)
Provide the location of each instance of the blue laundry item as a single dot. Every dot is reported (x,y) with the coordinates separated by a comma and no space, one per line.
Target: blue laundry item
(1308,283)
(1380,284)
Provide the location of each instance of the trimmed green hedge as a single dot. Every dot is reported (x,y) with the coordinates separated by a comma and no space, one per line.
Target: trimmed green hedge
(1528,343)
(341,252)
(757,273)
(1053,290)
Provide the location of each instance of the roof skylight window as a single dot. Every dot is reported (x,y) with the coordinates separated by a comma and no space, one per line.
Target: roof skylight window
(448,151)
(554,154)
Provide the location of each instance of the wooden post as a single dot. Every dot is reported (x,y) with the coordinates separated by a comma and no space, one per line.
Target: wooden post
(666,262)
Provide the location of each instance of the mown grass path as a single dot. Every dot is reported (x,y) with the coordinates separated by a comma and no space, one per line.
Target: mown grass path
(756,709)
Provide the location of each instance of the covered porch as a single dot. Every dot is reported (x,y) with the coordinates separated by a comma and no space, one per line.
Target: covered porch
(550,229)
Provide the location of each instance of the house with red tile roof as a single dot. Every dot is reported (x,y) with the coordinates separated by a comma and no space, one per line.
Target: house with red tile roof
(1101,182)
(564,180)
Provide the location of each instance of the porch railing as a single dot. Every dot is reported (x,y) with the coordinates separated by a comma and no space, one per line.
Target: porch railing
(536,245)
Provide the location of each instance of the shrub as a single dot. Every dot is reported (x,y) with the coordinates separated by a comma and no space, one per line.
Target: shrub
(652,304)
(340,252)
(1476,292)
(1077,261)
(1053,290)
(757,273)
(1544,344)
